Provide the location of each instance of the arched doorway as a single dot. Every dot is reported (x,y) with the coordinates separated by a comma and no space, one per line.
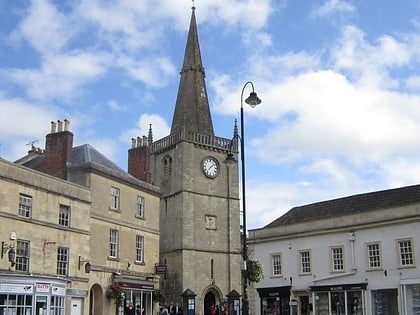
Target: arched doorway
(96,300)
(209,300)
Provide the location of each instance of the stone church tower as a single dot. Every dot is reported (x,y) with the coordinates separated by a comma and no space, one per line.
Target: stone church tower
(199,209)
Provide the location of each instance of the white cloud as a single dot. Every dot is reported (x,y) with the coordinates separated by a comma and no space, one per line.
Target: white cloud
(160,128)
(45,28)
(21,124)
(60,76)
(154,72)
(115,105)
(331,7)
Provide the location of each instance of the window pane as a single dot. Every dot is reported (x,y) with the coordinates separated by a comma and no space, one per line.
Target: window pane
(115,198)
(337,259)
(276,262)
(140,207)
(305,261)
(374,255)
(64,215)
(113,243)
(22,255)
(406,253)
(25,206)
(62,260)
(139,248)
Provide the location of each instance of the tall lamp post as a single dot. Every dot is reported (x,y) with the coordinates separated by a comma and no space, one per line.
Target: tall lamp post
(253,101)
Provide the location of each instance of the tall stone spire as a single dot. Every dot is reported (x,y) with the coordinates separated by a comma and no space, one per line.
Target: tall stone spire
(192,110)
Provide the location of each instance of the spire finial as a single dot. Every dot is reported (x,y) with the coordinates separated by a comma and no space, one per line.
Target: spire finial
(193,7)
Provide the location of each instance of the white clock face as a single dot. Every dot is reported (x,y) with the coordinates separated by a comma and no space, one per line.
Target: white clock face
(210,167)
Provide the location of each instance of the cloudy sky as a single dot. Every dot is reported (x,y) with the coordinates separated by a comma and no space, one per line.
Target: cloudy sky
(339,80)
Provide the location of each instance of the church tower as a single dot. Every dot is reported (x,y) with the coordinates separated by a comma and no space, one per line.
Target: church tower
(199,209)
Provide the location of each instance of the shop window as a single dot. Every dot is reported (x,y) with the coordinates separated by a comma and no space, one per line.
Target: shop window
(276,265)
(413,298)
(140,207)
(337,259)
(374,255)
(385,302)
(22,255)
(64,216)
(305,262)
(57,305)
(15,304)
(342,302)
(115,198)
(113,243)
(139,248)
(406,253)
(275,305)
(25,206)
(62,261)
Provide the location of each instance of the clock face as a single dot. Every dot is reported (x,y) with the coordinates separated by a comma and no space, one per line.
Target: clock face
(210,167)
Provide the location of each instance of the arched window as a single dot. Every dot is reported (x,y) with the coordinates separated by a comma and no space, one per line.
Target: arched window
(167,166)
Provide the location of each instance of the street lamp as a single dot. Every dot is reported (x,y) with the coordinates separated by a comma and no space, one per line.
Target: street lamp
(253,101)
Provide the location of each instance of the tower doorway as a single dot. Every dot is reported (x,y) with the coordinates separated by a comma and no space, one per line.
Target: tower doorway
(209,301)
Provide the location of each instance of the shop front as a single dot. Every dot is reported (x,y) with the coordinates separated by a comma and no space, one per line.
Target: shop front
(135,294)
(30,295)
(275,300)
(410,291)
(343,299)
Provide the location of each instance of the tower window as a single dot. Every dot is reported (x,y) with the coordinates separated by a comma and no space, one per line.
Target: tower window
(167,166)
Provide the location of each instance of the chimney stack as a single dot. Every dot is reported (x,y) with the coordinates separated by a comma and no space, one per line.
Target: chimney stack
(58,149)
(139,158)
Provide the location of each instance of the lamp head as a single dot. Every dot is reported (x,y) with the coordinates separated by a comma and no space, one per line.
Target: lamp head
(12,256)
(253,100)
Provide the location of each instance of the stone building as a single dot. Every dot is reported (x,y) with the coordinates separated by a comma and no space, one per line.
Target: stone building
(199,208)
(41,242)
(352,255)
(79,226)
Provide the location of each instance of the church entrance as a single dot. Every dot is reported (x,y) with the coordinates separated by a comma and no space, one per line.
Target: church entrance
(209,302)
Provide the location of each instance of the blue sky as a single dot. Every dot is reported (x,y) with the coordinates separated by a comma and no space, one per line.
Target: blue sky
(339,81)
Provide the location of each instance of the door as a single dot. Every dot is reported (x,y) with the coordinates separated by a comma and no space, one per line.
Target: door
(41,305)
(76,306)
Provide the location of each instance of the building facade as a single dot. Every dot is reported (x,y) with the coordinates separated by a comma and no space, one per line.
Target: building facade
(353,255)
(41,243)
(85,233)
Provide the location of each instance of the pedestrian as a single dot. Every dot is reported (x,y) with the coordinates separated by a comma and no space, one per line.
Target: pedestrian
(212,310)
(130,309)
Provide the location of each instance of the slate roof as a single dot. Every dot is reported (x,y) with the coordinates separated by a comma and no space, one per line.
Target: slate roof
(87,154)
(80,155)
(350,205)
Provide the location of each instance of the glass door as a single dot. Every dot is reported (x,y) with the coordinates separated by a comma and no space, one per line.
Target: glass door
(41,305)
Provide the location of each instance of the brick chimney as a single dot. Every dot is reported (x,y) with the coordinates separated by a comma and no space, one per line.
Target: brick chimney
(139,157)
(58,149)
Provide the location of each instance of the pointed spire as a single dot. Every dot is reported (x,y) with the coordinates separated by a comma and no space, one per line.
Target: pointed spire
(192,110)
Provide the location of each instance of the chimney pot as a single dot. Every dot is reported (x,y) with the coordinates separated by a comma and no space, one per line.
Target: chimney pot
(138,142)
(133,143)
(59,126)
(66,124)
(53,127)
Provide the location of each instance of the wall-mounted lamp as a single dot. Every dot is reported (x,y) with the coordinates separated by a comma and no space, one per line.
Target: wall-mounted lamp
(11,253)
(86,262)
